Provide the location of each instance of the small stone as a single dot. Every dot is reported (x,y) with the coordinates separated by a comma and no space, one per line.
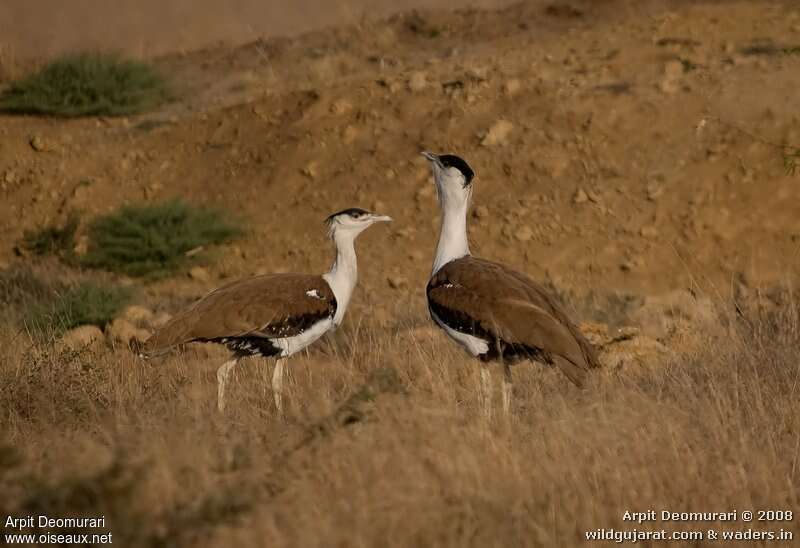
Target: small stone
(648,231)
(310,170)
(121,331)
(524,234)
(553,166)
(397,282)
(341,106)
(512,87)
(417,82)
(138,314)
(81,246)
(654,191)
(199,273)
(81,337)
(424,193)
(580,197)
(481,212)
(349,134)
(673,69)
(478,74)
(39,144)
(593,197)
(161,319)
(498,133)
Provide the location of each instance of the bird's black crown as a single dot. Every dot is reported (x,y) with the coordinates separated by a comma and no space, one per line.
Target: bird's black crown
(354,212)
(451,160)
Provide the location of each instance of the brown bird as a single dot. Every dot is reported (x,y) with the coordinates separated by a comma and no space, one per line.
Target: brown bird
(497,314)
(274,315)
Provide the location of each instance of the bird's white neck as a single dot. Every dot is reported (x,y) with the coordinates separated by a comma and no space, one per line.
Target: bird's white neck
(343,275)
(453,242)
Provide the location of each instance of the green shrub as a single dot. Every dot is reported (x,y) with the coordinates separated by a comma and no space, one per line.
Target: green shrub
(86,303)
(87,84)
(55,240)
(154,240)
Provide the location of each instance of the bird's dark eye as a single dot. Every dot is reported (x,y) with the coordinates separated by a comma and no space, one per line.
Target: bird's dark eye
(356,215)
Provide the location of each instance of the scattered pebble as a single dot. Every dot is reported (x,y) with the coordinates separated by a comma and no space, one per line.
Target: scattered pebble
(39,144)
(341,106)
(524,234)
(199,273)
(498,133)
(121,331)
(580,197)
(81,337)
(138,314)
(648,231)
(310,170)
(481,212)
(397,282)
(654,191)
(417,82)
(512,87)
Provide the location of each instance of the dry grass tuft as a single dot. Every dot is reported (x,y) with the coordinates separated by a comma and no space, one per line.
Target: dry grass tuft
(142,443)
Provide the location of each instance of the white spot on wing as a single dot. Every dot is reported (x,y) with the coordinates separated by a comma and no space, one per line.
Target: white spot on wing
(314,293)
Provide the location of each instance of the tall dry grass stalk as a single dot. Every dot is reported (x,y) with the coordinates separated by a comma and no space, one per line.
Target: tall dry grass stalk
(142,444)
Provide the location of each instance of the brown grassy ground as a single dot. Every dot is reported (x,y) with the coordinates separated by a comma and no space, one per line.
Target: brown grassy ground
(647,155)
(142,444)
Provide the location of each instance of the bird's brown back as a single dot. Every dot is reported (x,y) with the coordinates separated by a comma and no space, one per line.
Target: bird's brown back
(272,305)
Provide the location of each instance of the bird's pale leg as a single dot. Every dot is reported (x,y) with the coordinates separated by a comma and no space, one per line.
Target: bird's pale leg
(265,380)
(222,378)
(486,391)
(507,388)
(277,384)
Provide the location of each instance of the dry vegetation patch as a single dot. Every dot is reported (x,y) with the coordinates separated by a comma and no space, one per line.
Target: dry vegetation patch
(713,430)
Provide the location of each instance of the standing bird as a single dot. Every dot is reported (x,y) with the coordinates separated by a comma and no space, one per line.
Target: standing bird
(497,314)
(273,315)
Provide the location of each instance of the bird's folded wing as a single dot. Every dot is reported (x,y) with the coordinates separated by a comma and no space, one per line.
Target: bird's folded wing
(280,305)
(507,305)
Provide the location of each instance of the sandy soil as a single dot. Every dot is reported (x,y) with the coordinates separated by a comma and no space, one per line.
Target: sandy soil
(618,146)
(150,27)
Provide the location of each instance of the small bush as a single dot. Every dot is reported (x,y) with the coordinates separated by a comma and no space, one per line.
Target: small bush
(53,240)
(87,84)
(85,303)
(153,240)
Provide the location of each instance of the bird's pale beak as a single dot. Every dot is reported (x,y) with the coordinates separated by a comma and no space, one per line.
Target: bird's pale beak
(381,219)
(433,158)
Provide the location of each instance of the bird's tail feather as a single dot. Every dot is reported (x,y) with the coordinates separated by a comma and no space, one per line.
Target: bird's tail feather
(574,372)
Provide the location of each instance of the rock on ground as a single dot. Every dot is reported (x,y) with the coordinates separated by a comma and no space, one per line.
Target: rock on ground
(121,331)
(81,337)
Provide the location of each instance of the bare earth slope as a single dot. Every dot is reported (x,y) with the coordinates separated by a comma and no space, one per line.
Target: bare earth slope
(618,146)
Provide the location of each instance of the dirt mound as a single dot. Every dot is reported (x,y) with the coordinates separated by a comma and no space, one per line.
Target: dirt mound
(616,149)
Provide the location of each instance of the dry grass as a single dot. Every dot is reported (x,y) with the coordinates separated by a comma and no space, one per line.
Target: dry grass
(142,444)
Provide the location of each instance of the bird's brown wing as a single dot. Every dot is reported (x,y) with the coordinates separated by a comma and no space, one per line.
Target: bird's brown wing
(491,300)
(273,305)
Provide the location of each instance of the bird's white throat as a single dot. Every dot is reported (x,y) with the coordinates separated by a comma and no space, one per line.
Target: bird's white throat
(343,275)
(453,243)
